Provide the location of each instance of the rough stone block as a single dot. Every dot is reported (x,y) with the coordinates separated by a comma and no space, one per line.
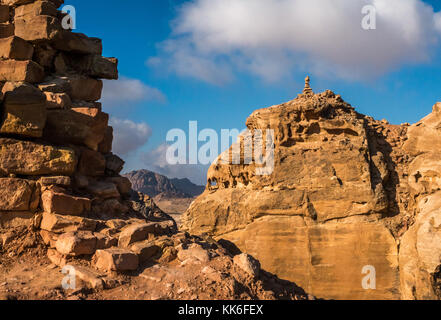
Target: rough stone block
(15,48)
(103,190)
(76,243)
(37,8)
(116,260)
(91,163)
(78,43)
(38,28)
(135,233)
(18,195)
(35,159)
(24,110)
(4,13)
(61,224)
(76,126)
(6,30)
(64,204)
(27,71)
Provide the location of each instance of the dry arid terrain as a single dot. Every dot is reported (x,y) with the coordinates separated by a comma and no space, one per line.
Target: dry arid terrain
(346,195)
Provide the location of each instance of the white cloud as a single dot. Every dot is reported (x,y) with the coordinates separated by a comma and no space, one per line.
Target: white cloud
(128,136)
(126,90)
(213,39)
(438,21)
(155,160)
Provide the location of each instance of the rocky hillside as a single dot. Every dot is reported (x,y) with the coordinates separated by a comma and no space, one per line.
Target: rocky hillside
(62,200)
(154,184)
(348,194)
(173,196)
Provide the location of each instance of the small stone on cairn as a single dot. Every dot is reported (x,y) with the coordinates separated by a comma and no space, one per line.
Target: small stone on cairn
(307,91)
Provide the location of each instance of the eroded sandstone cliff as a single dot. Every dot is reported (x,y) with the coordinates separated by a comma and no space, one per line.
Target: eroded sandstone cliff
(347,192)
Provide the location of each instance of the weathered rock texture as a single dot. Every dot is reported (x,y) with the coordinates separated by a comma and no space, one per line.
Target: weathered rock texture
(55,143)
(60,187)
(346,192)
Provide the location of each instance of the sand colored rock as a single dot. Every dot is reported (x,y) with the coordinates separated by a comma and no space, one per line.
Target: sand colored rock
(24,110)
(347,193)
(15,48)
(18,195)
(116,260)
(14,70)
(33,159)
(77,126)
(76,243)
(64,204)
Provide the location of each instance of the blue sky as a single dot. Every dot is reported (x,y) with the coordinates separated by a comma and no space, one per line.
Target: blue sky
(242,75)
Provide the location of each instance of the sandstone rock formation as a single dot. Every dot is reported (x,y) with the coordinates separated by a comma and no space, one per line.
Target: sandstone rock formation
(347,193)
(60,189)
(55,162)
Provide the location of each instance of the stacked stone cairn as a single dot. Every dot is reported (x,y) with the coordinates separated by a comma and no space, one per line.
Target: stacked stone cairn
(56,165)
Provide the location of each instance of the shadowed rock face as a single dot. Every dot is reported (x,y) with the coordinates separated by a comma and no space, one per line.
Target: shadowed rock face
(343,194)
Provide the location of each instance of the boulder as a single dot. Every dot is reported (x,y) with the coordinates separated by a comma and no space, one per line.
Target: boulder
(103,190)
(78,43)
(123,184)
(34,9)
(116,260)
(61,224)
(92,279)
(85,127)
(85,88)
(114,164)
(44,55)
(76,243)
(106,145)
(78,87)
(18,195)
(145,250)
(94,66)
(14,70)
(105,241)
(34,159)
(136,233)
(91,163)
(248,264)
(64,204)
(38,28)
(24,110)
(195,251)
(15,48)
(49,238)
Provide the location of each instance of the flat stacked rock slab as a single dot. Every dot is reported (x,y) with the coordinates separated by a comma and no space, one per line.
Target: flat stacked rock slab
(347,194)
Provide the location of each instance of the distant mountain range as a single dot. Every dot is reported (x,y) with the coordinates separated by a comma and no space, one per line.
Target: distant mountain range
(154,184)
